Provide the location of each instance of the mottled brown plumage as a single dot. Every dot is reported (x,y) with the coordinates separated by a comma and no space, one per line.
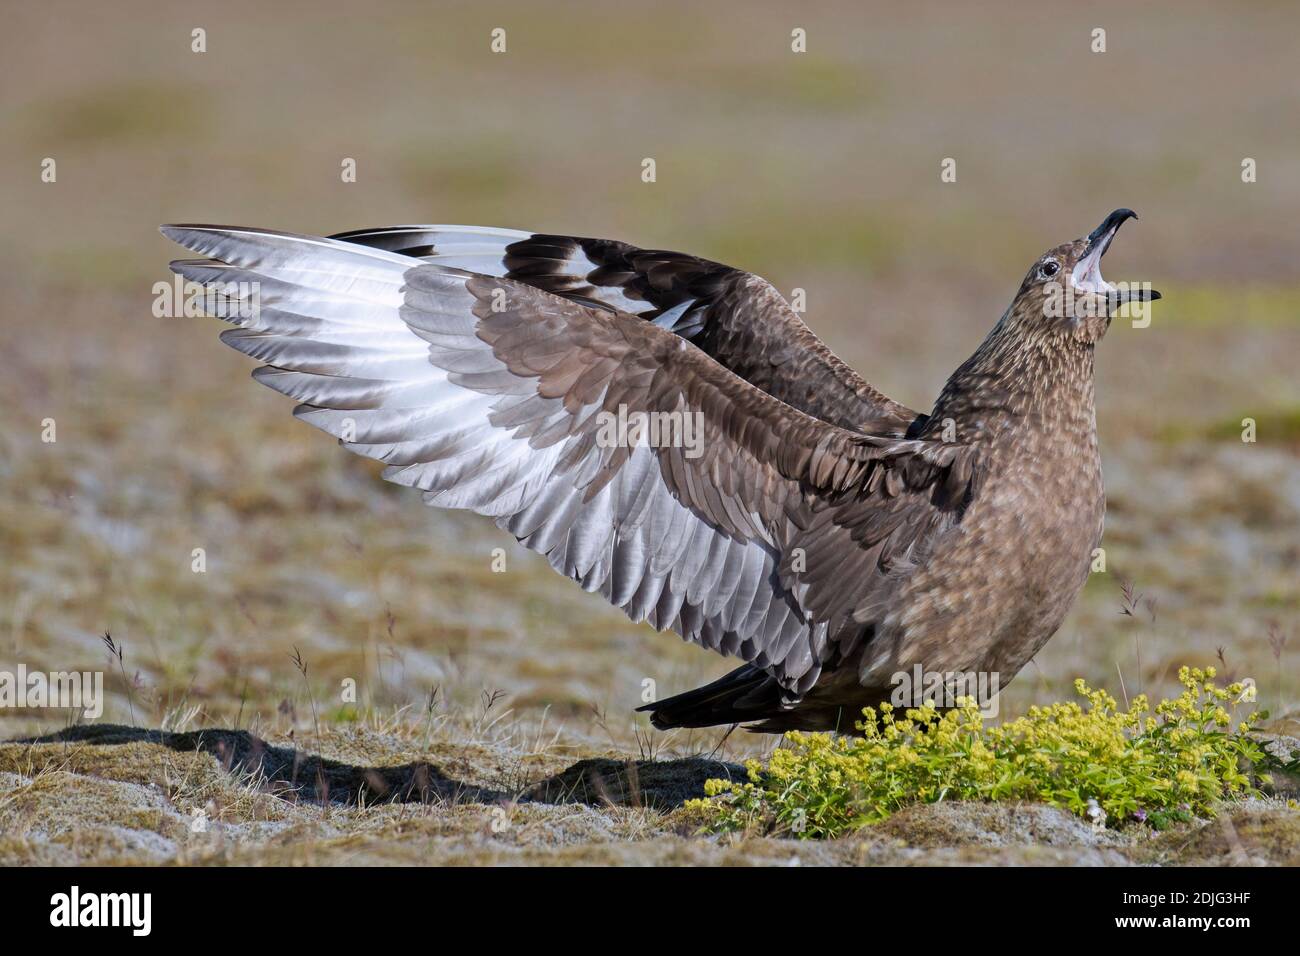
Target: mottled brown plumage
(822,533)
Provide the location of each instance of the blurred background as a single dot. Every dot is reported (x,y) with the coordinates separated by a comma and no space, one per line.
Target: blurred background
(819,170)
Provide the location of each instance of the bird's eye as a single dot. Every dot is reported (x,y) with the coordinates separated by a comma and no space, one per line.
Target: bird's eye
(1049,268)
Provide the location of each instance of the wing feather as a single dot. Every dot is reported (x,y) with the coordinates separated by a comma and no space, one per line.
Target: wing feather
(764,541)
(735,317)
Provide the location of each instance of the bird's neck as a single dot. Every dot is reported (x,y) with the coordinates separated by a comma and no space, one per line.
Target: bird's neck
(1017,382)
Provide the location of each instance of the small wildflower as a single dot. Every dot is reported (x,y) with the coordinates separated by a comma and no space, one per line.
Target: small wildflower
(1096,814)
(1144,764)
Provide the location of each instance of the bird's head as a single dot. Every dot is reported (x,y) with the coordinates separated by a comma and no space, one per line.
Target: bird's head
(1064,291)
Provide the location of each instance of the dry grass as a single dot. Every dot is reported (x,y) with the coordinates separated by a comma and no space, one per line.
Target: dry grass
(88,802)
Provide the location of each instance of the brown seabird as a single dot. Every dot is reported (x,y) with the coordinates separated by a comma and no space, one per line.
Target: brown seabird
(669,433)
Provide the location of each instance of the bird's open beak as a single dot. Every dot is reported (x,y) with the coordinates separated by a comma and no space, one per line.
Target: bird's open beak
(1087,272)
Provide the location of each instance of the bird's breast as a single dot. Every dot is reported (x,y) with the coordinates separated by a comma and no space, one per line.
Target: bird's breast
(1001,582)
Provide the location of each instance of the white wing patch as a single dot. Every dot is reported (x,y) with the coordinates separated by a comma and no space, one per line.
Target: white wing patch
(381,351)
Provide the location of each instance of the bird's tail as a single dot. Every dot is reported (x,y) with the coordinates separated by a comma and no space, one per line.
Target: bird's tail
(746,694)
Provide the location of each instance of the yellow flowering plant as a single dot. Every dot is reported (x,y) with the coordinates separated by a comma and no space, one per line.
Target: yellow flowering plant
(1104,763)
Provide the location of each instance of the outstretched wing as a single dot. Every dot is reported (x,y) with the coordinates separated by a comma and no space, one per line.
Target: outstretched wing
(736,318)
(746,525)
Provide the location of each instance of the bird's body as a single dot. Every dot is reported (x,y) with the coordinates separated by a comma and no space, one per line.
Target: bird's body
(828,536)
(997,585)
